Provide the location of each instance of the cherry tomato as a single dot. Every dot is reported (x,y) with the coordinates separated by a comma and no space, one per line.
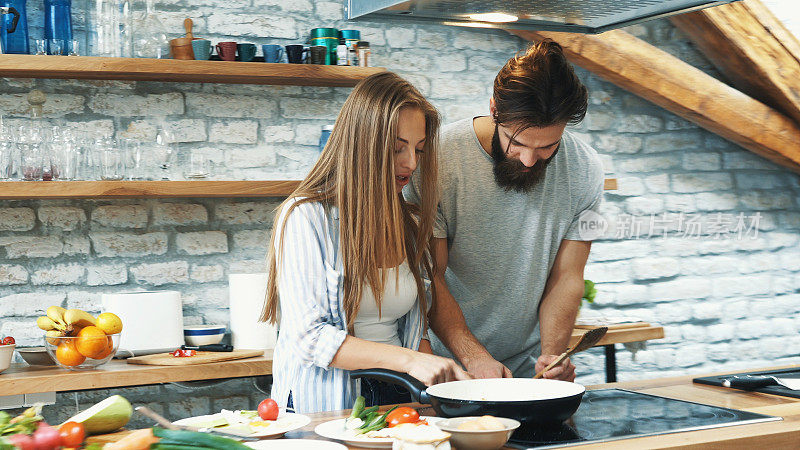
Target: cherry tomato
(8,340)
(403,414)
(72,434)
(268,409)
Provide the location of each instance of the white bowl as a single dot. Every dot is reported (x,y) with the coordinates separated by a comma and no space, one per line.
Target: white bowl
(477,439)
(203,334)
(6,354)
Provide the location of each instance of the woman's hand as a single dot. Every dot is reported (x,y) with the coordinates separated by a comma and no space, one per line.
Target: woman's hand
(432,369)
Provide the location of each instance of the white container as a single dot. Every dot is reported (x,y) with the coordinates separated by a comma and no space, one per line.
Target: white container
(247,293)
(6,354)
(152,321)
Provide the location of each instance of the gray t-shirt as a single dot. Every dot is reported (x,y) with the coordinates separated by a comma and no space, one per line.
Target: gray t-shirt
(503,244)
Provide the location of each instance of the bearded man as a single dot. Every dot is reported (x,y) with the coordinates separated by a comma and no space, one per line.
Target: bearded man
(508,245)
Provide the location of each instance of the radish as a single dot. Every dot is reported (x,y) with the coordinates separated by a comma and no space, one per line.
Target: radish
(46,437)
(22,441)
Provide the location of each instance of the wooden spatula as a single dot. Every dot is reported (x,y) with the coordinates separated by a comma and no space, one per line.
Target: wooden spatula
(586,341)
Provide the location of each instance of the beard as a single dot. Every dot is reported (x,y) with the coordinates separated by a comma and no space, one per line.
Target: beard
(511,174)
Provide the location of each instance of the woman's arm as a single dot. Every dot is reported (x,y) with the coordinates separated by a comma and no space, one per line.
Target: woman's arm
(356,353)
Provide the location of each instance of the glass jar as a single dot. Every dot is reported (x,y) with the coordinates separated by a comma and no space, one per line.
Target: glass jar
(110,28)
(150,35)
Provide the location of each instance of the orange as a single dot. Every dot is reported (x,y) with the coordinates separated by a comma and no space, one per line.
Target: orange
(67,354)
(91,341)
(107,351)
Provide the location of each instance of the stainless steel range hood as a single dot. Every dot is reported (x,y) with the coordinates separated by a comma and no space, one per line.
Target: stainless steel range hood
(575,16)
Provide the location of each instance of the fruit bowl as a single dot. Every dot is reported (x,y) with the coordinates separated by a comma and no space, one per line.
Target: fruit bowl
(70,352)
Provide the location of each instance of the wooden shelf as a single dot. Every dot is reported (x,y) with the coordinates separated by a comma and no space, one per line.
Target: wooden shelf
(622,334)
(144,69)
(21,378)
(16,190)
(21,190)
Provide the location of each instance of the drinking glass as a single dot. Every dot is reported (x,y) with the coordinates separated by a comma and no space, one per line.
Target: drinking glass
(132,149)
(74,48)
(197,166)
(41,46)
(165,150)
(56,46)
(112,163)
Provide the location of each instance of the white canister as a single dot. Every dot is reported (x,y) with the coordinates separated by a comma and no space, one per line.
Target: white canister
(152,321)
(247,293)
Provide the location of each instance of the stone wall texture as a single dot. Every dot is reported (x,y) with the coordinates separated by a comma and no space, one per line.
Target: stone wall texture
(725,301)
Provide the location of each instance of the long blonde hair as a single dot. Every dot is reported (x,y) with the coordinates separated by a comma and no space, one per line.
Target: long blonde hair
(355,172)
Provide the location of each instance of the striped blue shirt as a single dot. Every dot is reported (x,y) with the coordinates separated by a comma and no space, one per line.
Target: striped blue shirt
(312,318)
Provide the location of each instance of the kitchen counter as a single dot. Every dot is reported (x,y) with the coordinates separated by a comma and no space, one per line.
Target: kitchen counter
(779,434)
(24,379)
(21,378)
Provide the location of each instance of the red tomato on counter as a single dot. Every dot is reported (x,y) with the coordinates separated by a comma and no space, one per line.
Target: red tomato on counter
(403,414)
(183,353)
(8,340)
(268,409)
(72,434)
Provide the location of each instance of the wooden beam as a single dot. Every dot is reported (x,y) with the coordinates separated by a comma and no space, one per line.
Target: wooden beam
(752,48)
(676,86)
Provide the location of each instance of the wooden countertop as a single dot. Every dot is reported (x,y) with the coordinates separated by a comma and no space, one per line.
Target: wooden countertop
(779,434)
(21,378)
(25,379)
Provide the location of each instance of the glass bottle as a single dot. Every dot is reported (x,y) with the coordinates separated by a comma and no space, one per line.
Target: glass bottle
(18,41)
(150,35)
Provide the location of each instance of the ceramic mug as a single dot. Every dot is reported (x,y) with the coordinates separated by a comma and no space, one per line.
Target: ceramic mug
(202,49)
(294,53)
(246,52)
(317,54)
(273,53)
(227,51)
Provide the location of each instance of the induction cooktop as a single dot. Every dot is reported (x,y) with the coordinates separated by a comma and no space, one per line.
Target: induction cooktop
(612,414)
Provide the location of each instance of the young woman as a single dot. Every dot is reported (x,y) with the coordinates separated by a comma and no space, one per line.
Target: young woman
(348,256)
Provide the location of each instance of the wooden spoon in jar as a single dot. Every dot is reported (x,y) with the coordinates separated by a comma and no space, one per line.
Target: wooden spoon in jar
(187,25)
(586,341)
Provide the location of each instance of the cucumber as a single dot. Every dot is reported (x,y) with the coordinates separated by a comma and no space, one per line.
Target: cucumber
(196,439)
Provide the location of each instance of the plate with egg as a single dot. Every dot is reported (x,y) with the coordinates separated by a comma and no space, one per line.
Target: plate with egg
(248,423)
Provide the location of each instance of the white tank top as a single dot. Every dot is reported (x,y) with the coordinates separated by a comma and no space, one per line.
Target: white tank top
(398,299)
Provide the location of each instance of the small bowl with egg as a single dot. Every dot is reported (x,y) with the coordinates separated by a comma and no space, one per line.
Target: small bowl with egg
(478,433)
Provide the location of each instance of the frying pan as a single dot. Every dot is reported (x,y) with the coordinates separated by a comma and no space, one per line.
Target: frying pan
(523,399)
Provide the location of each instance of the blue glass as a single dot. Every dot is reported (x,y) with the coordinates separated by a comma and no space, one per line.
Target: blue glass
(58,22)
(16,42)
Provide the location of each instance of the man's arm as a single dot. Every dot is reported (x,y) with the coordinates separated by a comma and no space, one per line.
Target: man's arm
(447,321)
(559,306)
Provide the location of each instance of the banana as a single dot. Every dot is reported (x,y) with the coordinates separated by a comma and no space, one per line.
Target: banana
(53,335)
(45,323)
(56,313)
(79,319)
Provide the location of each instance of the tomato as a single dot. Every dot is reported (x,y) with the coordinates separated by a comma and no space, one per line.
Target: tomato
(183,353)
(72,434)
(403,414)
(268,409)
(8,340)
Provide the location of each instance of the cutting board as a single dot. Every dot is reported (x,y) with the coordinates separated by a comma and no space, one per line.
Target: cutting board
(166,359)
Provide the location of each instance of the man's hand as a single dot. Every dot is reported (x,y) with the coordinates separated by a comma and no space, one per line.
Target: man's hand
(486,367)
(564,371)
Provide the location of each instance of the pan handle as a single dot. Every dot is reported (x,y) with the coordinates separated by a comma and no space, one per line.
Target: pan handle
(414,386)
